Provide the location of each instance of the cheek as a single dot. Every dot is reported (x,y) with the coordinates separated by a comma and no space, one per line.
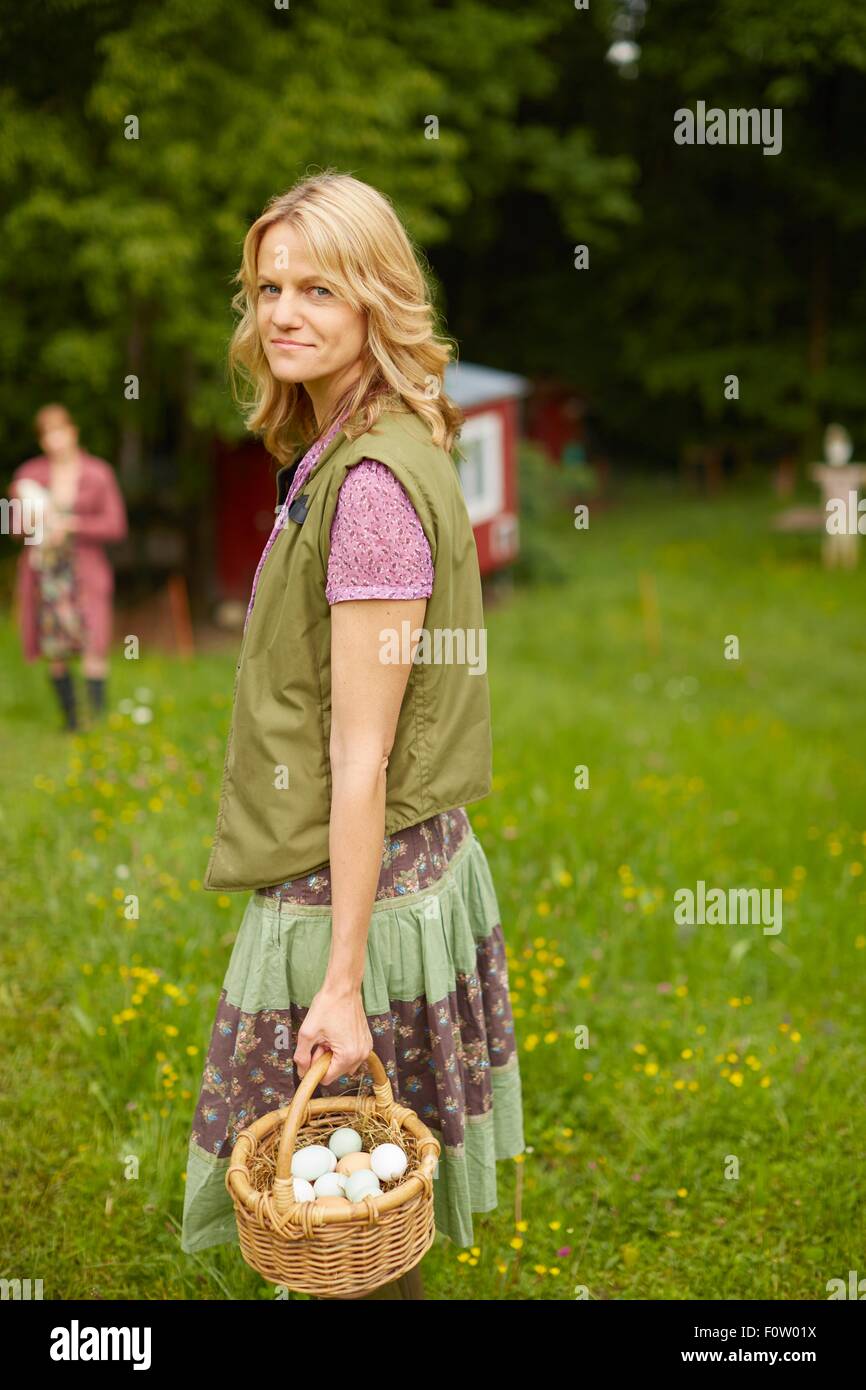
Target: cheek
(352,331)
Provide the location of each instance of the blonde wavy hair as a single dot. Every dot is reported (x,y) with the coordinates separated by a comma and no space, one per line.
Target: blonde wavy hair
(356,240)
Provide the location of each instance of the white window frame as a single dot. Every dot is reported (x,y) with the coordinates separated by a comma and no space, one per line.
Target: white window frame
(482,473)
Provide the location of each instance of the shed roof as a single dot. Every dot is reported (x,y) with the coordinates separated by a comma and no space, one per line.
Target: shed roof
(469,384)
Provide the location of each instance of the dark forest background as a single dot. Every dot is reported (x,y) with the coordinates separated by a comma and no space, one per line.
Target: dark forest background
(117,255)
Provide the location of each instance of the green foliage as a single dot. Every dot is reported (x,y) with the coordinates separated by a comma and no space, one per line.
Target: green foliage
(544,492)
(118,252)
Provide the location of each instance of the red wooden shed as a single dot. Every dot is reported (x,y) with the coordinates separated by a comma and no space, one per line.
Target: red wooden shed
(491,401)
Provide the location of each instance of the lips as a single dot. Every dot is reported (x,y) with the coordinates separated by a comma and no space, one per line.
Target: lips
(288,342)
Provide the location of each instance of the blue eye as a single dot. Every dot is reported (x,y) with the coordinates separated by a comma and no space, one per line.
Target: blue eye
(321,287)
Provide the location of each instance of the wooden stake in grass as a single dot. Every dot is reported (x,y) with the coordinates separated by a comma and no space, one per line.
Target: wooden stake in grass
(649,607)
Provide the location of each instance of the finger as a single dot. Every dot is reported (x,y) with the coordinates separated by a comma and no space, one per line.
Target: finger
(334,1072)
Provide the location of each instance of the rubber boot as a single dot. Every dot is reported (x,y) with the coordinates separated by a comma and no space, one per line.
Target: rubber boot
(96,695)
(65,689)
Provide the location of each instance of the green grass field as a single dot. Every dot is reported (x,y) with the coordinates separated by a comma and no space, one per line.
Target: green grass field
(712,1049)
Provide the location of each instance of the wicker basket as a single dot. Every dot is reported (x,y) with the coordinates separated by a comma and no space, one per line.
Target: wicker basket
(331,1252)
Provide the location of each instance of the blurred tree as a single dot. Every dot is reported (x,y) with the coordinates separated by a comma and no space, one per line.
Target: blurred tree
(118,253)
(738,262)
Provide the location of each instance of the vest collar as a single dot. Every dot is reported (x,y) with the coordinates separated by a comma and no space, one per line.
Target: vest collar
(285,475)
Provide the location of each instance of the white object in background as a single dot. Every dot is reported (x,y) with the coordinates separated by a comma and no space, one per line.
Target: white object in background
(36,512)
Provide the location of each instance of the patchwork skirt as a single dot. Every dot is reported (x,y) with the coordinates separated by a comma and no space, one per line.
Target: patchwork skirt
(436,997)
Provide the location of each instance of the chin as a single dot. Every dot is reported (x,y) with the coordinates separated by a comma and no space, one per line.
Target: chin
(285,371)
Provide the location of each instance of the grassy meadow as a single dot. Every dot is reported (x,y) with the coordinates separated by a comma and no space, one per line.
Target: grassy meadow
(707,1143)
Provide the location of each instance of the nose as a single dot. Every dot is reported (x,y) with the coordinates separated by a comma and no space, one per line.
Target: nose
(286,312)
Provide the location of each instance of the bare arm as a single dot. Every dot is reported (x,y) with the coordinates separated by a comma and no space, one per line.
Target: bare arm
(366,696)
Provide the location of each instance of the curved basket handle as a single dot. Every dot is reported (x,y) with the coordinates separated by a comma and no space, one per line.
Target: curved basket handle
(381,1089)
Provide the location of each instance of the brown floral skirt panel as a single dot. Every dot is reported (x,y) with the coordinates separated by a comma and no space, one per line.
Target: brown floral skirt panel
(436,997)
(60,624)
(411,859)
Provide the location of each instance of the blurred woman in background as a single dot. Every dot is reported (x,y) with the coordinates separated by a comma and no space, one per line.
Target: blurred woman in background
(65,582)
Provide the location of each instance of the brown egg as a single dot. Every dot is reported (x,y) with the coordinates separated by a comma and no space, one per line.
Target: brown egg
(350,1163)
(333,1202)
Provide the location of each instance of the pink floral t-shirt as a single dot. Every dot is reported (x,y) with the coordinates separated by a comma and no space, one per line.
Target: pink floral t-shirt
(378,545)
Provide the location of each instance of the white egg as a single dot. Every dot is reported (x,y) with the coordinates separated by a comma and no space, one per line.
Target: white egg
(329,1185)
(358,1184)
(345,1141)
(312,1162)
(388,1161)
(303,1190)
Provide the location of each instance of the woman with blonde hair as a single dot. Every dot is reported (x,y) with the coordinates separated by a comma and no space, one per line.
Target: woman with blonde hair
(372,920)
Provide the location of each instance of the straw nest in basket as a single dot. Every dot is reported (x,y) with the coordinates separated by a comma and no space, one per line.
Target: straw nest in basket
(373,1129)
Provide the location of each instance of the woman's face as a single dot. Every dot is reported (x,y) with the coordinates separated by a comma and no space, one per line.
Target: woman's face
(308,335)
(56,434)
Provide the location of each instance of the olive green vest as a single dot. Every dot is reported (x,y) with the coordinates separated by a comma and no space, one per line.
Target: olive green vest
(275,801)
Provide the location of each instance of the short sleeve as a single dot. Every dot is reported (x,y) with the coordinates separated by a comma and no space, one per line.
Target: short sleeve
(378,545)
